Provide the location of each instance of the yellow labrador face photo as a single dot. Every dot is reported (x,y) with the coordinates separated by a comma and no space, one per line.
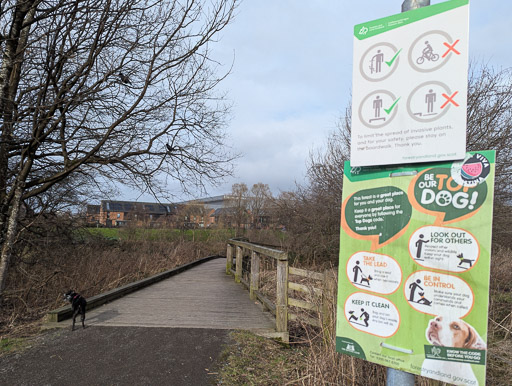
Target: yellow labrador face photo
(449,332)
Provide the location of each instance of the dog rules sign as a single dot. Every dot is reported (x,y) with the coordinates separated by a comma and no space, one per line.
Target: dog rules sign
(414,267)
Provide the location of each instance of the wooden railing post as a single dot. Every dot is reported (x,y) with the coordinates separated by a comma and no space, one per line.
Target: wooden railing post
(282,297)
(229,259)
(255,274)
(239,257)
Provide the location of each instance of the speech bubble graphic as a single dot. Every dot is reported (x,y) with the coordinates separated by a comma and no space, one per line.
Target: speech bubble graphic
(448,249)
(436,293)
(379,214)
(435,192)
(374,272)
(372,314)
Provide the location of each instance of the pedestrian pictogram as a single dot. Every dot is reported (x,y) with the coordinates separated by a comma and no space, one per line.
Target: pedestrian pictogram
(379,62)
(376,62)
(378,109)
(430,101)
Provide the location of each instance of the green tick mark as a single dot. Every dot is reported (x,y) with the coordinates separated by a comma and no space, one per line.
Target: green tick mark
(390,63)
(388,111)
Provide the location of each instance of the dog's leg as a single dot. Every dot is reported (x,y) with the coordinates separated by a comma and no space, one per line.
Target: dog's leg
(83,318)
(75,313)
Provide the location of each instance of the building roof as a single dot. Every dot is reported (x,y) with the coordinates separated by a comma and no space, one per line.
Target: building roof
(132,206)
(214,202)
(93,209)
(224,212)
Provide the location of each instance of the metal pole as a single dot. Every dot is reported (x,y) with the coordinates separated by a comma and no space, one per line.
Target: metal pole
(407,5)
(397,377)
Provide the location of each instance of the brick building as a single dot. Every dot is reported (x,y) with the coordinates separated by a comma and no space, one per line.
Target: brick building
(201,213)
(121,213)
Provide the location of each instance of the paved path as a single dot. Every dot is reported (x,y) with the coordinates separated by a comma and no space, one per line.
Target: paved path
(117,356)
(201,297)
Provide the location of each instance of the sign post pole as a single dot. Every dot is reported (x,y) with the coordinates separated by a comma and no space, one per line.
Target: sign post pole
(397,377)
(407,5)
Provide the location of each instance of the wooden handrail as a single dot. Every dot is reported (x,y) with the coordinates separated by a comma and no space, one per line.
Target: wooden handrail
(325,294)
(270,252)
(258,252)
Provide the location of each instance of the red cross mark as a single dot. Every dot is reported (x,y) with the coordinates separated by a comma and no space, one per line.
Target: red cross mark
(451,48)
(450,100)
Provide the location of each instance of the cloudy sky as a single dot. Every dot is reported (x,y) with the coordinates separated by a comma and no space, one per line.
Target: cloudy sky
(292,76)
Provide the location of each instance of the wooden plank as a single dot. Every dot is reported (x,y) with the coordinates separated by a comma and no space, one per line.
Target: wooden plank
(328,302)
(305,273)
(301,304)
(276,254)
(304,288)
(304,319)
(245,282)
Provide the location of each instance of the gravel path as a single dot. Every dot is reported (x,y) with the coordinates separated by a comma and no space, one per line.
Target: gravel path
(117,356)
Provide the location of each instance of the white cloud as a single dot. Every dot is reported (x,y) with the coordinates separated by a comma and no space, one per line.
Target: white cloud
(293,72)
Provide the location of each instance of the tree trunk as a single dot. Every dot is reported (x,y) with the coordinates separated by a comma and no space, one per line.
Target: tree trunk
(10,72)
(12,225)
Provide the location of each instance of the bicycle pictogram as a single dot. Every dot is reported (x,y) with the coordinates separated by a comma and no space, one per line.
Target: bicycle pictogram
(432,50)
(427,54)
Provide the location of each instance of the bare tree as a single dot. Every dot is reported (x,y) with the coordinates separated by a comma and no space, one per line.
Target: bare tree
(120,91)
(311,213)
(238,205)
(258,202)
(490,128)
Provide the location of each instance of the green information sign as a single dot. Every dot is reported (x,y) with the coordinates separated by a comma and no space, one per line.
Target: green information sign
(414,267)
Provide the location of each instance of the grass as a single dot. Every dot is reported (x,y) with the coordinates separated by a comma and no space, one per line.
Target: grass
(138,234)
(9,345)
(253,360)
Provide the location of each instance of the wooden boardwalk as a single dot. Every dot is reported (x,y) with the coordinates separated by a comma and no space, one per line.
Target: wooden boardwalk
(201,297)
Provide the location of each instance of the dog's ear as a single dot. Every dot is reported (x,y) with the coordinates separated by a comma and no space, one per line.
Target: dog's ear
(474,341)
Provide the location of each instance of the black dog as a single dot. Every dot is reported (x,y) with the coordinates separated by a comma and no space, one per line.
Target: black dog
(78,304)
